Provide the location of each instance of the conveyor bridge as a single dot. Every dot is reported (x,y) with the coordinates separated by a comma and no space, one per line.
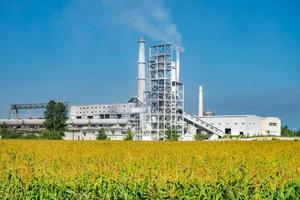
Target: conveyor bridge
(202,125)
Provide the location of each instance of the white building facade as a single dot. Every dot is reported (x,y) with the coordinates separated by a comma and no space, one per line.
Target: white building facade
(86,121)
(245,125)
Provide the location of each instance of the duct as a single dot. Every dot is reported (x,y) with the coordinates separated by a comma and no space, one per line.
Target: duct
(173,72)
(177,63)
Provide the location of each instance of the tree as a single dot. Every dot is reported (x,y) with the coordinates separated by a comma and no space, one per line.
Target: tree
(129,135)
(102,134)
(199,136)
(51,135)
(286,132)
(172,135)
(4,130)
(55,120)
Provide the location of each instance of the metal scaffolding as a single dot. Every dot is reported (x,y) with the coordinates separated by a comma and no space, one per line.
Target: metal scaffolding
(15,108)
(164,96)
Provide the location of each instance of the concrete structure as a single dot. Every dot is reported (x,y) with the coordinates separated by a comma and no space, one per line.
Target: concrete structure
(157,108)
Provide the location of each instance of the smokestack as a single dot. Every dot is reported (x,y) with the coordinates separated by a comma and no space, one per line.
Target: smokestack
(177,63)
(141,70)
(200,102)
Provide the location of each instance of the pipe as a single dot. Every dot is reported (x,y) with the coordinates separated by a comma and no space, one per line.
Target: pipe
(200,102)
(177,63)
(173,72)
(141,70)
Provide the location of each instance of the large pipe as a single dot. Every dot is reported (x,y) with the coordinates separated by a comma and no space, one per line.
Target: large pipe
(200,102)
(141,70)
(173,72)
(177,63)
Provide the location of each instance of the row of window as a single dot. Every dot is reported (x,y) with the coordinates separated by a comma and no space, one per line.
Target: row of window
(102,116)
(95,112)
(102,107)
(234,123)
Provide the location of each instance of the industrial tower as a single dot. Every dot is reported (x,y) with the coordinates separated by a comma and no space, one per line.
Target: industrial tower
(164,93)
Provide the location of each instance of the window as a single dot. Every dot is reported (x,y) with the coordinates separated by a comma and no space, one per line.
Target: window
(241,133)
(78,117)
(228,131)
(272,124)
(90,117)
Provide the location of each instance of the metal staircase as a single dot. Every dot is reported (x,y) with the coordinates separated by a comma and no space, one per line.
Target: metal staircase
(199,123)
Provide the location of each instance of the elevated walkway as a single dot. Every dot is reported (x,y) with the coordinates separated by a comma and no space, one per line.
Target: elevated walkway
(213,131)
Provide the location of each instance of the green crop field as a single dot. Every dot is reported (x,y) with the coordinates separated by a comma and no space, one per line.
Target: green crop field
(149,170)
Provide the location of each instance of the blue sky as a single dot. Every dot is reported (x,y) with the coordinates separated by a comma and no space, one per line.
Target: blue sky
(245,53)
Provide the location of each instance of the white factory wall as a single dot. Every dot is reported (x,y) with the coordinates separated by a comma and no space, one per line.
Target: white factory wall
(272,126)
(247,125)
(95,110)
(92,135)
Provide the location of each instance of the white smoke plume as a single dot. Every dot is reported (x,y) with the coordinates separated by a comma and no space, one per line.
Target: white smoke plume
(149,17)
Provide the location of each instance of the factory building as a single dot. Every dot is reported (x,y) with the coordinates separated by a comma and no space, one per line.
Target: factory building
(245,125)
(240,125)
(87,120)
(157,108)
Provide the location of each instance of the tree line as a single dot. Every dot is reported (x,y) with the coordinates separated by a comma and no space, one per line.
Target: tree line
(287,132)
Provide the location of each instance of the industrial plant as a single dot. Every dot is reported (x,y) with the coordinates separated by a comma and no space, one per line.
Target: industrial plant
(157,108)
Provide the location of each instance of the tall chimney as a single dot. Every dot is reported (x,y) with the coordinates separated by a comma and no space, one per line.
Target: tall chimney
(177,63)
(141,70)
(200,102)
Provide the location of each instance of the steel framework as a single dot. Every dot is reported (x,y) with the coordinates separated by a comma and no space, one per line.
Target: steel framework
(15,108)
(164,97)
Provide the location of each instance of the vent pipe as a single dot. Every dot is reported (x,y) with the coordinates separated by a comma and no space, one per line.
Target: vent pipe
(141,70)
(173,72)
(177,63)
(200,102)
